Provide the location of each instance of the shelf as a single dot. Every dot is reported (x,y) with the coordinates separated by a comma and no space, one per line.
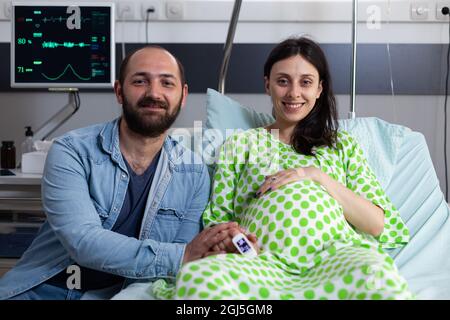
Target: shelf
(21,215)
(20,178)
(21,205)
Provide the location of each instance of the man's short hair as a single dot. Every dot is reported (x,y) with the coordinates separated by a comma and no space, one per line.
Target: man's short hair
(124,64)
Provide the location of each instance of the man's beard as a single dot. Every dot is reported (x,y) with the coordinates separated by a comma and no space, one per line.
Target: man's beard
(149,126)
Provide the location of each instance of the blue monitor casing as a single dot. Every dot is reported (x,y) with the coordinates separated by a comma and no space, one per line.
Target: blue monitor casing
(62,45)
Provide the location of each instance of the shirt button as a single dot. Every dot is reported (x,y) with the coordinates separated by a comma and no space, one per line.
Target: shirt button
(124,176)
(115,208)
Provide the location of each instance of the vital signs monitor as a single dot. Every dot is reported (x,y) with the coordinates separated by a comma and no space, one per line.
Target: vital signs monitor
(61,45)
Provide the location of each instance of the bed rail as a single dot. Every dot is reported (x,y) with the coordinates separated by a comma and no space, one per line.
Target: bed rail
(352,113)
(228,45)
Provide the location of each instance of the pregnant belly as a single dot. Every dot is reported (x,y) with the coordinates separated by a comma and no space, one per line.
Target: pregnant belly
(299,218)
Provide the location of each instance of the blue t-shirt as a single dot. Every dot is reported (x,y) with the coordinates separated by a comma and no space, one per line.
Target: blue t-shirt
(128,223)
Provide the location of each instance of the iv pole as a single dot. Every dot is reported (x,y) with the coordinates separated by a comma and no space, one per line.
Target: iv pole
(352,113)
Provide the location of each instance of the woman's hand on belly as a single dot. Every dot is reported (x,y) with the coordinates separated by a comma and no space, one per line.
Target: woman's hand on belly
(284,177)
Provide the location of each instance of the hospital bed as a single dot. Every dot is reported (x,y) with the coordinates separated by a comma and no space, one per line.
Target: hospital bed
(399,157)
(401,161)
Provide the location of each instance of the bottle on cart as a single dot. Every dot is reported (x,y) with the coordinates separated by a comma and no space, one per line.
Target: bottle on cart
(8,155)
(28,144)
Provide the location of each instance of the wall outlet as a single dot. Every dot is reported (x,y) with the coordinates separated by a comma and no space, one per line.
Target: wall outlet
(125,10)
(439,14)
(175,10)
(5,10)
(419,11)
(150,9)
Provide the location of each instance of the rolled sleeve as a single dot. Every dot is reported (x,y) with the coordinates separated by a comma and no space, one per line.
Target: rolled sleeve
(169,259)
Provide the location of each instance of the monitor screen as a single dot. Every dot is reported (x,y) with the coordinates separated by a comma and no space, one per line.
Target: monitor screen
(57,45)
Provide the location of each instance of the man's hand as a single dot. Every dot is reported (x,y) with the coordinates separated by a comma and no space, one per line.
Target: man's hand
(205,241)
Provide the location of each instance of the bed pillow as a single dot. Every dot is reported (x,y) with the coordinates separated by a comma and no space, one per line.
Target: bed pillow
(224,117)
(224,113)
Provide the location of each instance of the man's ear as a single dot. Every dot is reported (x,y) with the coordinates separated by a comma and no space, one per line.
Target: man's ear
(266,85)
(118,92)
(185,93)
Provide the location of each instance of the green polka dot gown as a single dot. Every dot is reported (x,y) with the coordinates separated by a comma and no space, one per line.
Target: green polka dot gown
(308,249)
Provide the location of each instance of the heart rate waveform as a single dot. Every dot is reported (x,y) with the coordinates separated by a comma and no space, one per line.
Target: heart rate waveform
(62,19)
(69,66)
(52,45)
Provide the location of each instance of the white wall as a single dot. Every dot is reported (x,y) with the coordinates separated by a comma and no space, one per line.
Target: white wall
(420,113)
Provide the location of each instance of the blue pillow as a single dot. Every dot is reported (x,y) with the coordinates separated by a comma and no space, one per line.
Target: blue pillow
(225,116)
(224,113)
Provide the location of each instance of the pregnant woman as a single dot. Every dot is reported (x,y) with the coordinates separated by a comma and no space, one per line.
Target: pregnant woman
(304,188)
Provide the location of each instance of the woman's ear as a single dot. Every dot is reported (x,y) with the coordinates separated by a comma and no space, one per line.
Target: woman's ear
(319,90)
(266,85)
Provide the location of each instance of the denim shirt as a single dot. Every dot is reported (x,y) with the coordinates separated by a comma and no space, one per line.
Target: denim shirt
(83,188)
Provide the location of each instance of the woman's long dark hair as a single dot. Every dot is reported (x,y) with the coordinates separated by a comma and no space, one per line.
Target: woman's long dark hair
(320,126)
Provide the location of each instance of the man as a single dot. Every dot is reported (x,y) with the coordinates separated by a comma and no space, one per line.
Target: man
(122,198)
